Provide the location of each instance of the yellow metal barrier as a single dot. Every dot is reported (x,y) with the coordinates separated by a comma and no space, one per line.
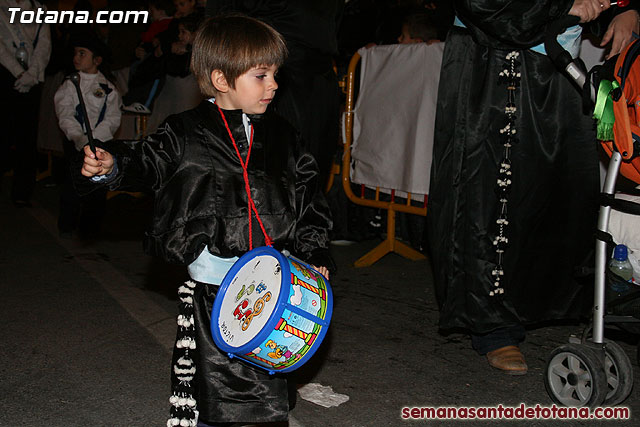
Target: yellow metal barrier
(390,244)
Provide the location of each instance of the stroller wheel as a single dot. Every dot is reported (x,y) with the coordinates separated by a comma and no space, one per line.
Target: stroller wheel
(575,376)
(617,367)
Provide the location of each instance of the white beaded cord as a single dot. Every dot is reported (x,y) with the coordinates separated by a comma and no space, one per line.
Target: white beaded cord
(511,76)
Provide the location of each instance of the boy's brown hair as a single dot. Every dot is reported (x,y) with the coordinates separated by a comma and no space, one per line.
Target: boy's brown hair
(233,44)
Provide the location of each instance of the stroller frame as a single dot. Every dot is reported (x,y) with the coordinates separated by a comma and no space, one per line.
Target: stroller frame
(599,315)
(591,370)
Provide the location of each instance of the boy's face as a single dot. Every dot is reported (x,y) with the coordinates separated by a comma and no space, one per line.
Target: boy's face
(184,7)
(253,93)
(85,61)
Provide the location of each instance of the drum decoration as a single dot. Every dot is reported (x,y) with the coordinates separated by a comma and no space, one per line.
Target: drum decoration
(272,310)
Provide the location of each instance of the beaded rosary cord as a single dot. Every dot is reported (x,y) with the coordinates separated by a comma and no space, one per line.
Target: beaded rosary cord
(510,76)
(183,410)
(245,174)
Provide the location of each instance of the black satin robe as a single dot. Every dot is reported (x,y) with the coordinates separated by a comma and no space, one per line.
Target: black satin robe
(552,201)
(192,169)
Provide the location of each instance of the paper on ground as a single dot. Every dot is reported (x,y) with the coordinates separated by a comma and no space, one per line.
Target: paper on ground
(322,395)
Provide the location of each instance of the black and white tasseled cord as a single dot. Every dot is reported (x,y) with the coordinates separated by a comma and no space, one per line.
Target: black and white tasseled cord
(183,403)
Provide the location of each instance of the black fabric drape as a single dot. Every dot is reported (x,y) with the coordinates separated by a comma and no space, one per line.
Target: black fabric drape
(510,23)
(552,200)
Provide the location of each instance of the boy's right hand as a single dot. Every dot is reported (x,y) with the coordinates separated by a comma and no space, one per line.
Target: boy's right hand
(92,166)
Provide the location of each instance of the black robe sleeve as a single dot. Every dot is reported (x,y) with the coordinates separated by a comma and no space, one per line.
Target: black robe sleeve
(511,23)
(313,221)
(146,165)
(522,23)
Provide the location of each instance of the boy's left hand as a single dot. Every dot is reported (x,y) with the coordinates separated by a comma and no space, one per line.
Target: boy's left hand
(322,270)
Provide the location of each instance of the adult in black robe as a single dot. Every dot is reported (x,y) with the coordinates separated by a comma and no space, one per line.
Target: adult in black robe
(536,180)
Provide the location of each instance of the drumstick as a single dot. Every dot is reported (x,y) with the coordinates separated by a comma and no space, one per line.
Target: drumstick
(75,79)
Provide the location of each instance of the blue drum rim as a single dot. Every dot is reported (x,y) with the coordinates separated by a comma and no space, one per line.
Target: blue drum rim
(281,305)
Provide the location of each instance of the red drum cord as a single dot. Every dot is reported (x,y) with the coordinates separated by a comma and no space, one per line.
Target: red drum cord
(251,205)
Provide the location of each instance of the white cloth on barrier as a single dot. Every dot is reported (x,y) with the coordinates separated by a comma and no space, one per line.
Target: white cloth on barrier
(394,116)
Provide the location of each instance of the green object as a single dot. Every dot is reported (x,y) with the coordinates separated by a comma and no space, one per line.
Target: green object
(603,111)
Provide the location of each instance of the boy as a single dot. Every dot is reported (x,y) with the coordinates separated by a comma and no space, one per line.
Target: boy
(102,102)
(202,165)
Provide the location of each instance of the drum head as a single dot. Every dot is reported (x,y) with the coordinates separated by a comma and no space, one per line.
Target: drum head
(248,296)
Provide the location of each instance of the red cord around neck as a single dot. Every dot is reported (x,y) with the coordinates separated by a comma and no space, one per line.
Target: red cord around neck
(245,174)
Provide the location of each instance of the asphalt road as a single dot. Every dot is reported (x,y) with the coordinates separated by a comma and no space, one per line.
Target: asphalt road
(87,328)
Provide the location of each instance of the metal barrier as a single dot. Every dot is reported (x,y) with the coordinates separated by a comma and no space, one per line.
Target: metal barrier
(390,244)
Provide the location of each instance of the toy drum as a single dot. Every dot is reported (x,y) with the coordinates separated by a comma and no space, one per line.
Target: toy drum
(272,310)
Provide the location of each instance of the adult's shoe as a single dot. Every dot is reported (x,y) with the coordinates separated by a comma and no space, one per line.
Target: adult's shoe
(508,359)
